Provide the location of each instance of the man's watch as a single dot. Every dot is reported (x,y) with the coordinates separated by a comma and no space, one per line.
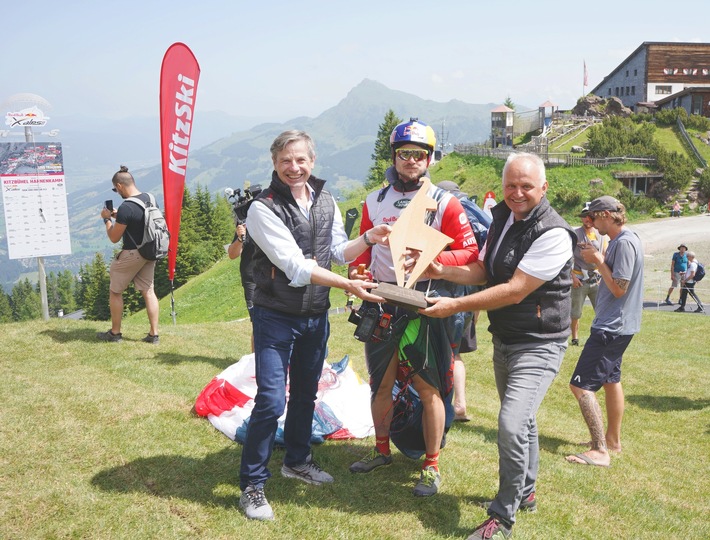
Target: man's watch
(106,220)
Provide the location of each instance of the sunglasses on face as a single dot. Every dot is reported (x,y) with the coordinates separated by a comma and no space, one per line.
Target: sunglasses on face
(406,154)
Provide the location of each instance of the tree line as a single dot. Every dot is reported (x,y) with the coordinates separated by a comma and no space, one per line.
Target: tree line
(206,226)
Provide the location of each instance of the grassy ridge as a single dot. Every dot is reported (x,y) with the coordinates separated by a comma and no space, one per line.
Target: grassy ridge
(98,441)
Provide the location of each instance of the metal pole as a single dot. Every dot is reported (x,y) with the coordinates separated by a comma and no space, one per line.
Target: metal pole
(40,261)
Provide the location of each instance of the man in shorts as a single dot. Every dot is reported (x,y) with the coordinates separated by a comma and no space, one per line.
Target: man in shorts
(618,318)
(129,265)
(585,277)
(679,265)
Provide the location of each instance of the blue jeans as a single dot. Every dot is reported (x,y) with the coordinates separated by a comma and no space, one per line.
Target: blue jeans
(523,373)
(284,345)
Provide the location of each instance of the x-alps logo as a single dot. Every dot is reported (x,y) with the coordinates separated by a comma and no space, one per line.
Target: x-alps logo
(402,203)
(26,118)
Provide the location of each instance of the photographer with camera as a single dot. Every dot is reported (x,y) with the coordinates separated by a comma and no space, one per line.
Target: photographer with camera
(297,230)
(243,246)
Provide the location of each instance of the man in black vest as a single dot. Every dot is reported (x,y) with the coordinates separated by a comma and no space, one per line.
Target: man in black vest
(527,263)
(297,230)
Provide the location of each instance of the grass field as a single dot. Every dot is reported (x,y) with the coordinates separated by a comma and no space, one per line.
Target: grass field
(99,441)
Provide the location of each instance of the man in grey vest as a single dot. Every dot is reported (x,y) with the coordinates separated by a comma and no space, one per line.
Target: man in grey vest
(527,264)
(297,230)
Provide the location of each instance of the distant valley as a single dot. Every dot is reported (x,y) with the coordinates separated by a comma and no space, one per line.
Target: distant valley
(229,151)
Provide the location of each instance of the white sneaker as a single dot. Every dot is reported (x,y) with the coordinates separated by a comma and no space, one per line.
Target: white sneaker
(254,503)
(310,472)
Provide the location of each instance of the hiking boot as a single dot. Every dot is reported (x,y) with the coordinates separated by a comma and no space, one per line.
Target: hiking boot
(492,529)
(429,482)
(575,342)
(370,462)
(309,472)
(151,339)
(110,336)
(668,302)
(254,503)
(699,310)
(528,504)
(681,309)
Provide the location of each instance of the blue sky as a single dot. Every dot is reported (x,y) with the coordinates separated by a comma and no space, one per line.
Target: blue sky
(279,59)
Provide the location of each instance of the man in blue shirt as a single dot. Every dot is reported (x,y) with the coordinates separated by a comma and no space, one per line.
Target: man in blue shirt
(679,266)
(618,318)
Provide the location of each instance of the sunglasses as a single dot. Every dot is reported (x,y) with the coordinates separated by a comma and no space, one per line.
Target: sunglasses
(406,154)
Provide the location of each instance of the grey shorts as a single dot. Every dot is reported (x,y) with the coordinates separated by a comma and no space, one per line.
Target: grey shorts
(127,266)
(675,280)
(579,294)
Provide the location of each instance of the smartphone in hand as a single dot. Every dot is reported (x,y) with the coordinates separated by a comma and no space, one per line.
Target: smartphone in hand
(109,205)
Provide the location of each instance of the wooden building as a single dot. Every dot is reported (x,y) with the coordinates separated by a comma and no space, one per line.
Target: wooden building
(656,71)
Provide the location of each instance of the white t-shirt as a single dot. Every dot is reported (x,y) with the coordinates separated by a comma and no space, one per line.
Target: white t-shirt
(547,255)
(692,268)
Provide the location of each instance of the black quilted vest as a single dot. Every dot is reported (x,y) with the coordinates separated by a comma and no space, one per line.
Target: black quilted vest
(313,236)
(544,315)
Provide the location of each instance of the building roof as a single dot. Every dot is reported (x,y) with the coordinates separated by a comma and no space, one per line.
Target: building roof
(686,91)
(643,45)
(548,103)
(502,108)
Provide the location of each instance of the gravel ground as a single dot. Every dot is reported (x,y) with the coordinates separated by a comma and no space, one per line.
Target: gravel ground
(660,239)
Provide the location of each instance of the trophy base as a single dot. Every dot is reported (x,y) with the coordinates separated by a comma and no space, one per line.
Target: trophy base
(399,296)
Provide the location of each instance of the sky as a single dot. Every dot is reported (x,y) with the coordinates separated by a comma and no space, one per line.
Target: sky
(278,60)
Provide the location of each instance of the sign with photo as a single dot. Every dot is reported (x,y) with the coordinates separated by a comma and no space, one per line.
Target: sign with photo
(34,199)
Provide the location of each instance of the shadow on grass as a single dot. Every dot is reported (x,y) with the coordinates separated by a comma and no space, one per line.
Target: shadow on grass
(547,444)
(173,359)
(76,334)
(668,403)
(214,481)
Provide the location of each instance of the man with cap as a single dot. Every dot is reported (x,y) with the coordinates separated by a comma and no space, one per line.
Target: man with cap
(618,318)
(585,277)
(679,266)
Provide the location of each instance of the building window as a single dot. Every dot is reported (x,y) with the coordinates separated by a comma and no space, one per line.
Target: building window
(616,91)
(635,72)
(633,90)
(609,91)
(627,72)
(663,89)
(627,90)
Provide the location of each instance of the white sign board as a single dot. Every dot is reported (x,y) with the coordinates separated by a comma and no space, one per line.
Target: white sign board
(35,200)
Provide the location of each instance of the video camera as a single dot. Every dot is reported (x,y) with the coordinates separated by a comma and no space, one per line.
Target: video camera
(241,202)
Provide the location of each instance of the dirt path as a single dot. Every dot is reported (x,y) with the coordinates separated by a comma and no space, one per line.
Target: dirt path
(664,235)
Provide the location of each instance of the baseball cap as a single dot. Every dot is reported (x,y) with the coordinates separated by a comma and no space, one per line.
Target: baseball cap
(604,203)
(585,210)
(448,185)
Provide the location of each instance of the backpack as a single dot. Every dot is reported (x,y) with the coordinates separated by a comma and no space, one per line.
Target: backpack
(699,272)
(480,221)
(156,237)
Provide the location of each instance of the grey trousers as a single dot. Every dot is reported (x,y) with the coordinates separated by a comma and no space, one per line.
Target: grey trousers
(523,373)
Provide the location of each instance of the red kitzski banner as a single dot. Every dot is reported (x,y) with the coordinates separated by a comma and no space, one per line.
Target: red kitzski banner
(178,88)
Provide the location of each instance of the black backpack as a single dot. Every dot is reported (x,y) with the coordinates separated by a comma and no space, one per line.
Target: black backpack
(156,237)
(699,272)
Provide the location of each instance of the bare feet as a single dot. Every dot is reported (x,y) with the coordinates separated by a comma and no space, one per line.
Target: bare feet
(591,457)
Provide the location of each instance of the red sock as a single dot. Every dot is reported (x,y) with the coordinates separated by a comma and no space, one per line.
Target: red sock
(383,445)
(431,460)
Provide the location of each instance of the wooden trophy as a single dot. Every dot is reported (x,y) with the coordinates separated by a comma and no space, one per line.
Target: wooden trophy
(410,231)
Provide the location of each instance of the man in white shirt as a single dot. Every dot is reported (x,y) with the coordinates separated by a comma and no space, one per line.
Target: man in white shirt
(527,263)
(298,230)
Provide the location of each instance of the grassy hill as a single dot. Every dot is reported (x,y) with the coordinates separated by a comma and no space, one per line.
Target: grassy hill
(98,441)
